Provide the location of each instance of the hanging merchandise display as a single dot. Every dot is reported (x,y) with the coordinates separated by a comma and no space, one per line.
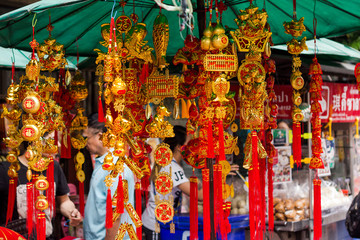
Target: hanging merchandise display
(79,92)
(316,161)
(271,110)
(127,57)
(40,115)
(295,28)
(252,36)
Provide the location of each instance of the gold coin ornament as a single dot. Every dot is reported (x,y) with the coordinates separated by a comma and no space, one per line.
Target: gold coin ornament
(80,176)
(163,155)
(164,212)
(31,103)
(30,132)
(234,127)
(163,183)
(41,183)
(80,158)
(41,203)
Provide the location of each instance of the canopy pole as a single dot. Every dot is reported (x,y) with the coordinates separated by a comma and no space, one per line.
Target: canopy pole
(201,15)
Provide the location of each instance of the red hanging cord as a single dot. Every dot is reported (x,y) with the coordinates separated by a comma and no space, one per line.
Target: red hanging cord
(206,204)
(109,212)
(138,207)
(210,141)
(120,196)
(294,9)
(194,207)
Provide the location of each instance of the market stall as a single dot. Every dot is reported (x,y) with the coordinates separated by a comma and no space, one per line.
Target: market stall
(229,123)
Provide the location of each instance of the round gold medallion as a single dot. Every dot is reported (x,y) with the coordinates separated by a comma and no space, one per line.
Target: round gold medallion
(41,183)
(163,183)
(80,176)
(164,212)
(30,132)
(80,158)
(31,104)
(41,203)
(163,155)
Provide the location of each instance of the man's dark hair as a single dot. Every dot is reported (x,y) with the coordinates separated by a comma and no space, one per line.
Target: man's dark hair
(94,123)
(179,139)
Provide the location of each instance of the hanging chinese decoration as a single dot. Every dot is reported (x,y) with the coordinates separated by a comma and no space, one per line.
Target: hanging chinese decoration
(316,162)
(40,115)
(161,85)
(357,75)
(79,92)
(252,36)
(118,69)
(295,28)
(271,110)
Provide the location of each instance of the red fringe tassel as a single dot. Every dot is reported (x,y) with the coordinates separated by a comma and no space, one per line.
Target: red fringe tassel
(194,208)
(138,207)
(41,226)
(66,151)
(218,200)
(206,204)
(270,197)
(317,209)
(120,196)
(100,110)
(109,212)
(297,143)
(50,193)
(262,173)
(254,191)
(56,137)
(30,207)
(11,199)
(81,198)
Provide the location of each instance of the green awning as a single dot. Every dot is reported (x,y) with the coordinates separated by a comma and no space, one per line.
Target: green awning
(21,58)
(328,47)
(77,22)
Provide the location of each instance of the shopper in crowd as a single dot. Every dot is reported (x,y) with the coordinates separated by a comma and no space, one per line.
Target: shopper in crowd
(95,209)
(181,183)
(67,207)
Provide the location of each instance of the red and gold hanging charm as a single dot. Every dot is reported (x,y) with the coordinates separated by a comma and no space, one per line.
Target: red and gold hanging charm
(251,76)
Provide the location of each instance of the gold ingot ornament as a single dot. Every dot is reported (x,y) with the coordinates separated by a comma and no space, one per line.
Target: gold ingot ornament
(41,203)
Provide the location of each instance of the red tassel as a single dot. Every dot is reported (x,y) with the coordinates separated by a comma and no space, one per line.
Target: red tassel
(50,192)
(100,110)
(30,207)
(120,196)
(210,141)
(270,196)
(221,142)
(297,143)
(138,207)
(194,208)
(206,204)
(254,191)
(41,226)
(262,173)
(11,199)
(109,212)
(145,182)
(317,209)
(66,149)
(56,138)
(218,200)
(81,198)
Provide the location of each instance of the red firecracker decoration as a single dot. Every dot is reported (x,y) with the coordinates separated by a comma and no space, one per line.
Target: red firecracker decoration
(194,208)
(206,204)
(270,123)
(120,196)
(138,207)
(315,95)
(297,143)
(109,212)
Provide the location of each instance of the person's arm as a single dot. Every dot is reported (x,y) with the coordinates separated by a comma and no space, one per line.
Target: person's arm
(185,188)
(111,232)
(67,208)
